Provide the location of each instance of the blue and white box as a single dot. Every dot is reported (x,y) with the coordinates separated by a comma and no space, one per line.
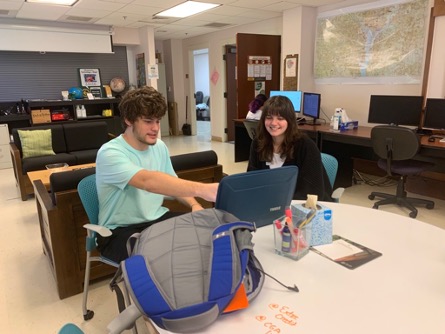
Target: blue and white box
(321,223)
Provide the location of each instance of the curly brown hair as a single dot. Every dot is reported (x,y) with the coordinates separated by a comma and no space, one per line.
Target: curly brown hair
(145,102)
(278,106)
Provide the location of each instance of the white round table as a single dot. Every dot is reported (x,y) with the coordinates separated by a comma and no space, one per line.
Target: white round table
(402,291)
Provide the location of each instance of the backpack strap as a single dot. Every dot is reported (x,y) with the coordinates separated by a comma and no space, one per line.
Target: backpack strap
(229,259)
(114,286)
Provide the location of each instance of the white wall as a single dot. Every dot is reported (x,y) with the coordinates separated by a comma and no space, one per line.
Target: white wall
(436,82)
(297,28)
(215,42)
(355,97)
(201,72)
(299,38)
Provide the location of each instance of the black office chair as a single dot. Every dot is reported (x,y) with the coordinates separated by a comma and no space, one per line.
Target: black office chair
(396,146)
(199,97)
(251,127)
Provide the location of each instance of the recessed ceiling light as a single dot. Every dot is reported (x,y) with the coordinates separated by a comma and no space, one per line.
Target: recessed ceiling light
(187,8)
(55,2)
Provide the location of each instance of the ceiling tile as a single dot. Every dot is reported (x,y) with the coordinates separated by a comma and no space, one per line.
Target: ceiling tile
(37,11)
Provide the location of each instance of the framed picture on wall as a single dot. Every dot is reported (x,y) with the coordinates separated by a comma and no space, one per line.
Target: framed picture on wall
(89,77)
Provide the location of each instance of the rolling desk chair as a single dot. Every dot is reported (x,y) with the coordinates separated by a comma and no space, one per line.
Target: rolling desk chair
(251,127)
(396,147)
(330,164)
(88,196)
(70,329)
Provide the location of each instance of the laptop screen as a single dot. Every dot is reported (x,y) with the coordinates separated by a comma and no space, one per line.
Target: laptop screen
(258,196)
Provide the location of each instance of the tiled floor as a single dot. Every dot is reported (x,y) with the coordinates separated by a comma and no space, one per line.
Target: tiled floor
(28,299)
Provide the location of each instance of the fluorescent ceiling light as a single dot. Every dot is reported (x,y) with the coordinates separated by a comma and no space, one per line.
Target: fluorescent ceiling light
(55,2)
(187,8)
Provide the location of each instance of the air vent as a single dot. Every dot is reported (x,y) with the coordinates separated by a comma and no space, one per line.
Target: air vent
(4,12)
(216,25)
(78,18)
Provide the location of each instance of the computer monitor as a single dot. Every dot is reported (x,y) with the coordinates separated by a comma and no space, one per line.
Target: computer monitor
(311,107)
(434,114)
(396,110)
(259,196)
(293,95)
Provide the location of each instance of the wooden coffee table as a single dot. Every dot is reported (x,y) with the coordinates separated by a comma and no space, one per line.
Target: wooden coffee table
(44,174)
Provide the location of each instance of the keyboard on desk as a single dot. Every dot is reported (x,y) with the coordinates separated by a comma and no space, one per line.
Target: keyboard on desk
(301,120)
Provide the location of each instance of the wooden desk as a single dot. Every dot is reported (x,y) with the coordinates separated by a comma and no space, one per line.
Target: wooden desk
(345,146)
(44,174)
(402,291)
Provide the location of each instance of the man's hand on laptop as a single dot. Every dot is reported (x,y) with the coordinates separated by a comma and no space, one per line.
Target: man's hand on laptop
(208,191)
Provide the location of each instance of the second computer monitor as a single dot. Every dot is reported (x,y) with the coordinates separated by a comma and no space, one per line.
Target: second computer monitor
(434,114)
(397,110)
(293,95)
(311,107)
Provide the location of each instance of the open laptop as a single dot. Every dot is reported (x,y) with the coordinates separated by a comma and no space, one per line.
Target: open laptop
(258,196)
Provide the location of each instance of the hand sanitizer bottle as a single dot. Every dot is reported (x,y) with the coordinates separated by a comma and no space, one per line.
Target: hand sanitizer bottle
(336,123)
(78,112)
(84,111)
(286,239)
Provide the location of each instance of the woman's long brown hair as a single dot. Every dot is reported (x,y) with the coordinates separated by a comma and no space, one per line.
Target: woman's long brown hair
(278,106)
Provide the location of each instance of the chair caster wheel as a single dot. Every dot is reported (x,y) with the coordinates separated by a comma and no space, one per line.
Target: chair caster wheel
(413,214)
(371,197)
(430,206)
(375,206)
(89,315)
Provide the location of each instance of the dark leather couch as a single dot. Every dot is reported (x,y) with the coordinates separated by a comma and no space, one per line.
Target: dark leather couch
(61,217)
(74,143)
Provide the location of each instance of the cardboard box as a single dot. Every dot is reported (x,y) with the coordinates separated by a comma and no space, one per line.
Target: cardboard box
(321,233)
(39,116)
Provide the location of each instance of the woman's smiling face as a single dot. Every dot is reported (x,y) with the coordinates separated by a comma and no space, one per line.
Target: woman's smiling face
(276,125)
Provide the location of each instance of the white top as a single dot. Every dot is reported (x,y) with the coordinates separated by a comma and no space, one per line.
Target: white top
(257,115)
(402,291)
(276,162)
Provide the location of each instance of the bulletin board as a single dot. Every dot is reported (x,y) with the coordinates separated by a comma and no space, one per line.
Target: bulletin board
(259,68)
(290,72)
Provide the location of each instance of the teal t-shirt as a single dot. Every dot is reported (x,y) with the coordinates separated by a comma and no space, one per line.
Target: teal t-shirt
(119,203)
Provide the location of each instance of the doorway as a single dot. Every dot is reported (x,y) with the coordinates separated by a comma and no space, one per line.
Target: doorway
(231,93)
(202,94)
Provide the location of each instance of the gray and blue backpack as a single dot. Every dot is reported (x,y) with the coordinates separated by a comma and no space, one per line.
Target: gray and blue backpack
(184,271)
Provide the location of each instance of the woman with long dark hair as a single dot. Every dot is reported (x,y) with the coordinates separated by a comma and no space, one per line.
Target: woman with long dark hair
(279,142)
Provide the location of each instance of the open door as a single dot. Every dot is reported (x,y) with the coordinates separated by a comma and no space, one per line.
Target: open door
(242,83)
(249,48)
(230,94)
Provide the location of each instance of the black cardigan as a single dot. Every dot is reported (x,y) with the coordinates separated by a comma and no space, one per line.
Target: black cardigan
(312,177)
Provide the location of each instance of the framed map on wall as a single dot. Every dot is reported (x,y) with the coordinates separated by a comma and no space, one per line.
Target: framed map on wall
(370,44)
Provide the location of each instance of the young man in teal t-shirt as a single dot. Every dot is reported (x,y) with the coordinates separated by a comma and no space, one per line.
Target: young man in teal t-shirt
(134,173)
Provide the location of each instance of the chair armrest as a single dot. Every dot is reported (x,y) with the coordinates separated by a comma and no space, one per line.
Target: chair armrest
(337,194)
(102,230)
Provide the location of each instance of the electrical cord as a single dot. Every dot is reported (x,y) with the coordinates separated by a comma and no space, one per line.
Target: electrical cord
(327,119)
(385,181)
